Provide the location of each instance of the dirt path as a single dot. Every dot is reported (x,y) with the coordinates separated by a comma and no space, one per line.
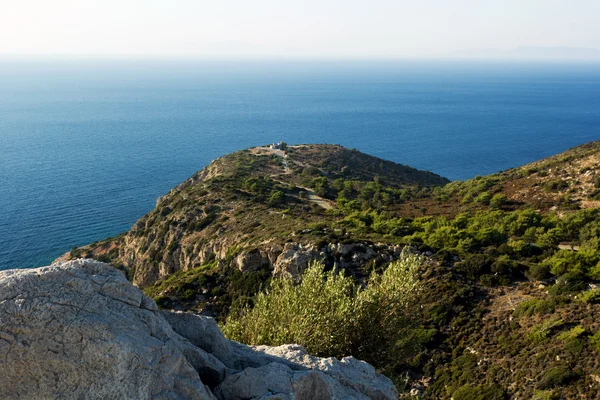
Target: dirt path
(311,195)
(314,198)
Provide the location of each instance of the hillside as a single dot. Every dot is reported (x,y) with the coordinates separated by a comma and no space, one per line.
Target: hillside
(508,286)
(247,201)
(566,181)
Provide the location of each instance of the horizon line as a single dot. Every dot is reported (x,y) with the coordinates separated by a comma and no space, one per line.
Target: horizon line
(284,58)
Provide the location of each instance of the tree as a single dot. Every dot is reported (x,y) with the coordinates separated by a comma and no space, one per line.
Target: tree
(276,198)
(321,186)
(498,200)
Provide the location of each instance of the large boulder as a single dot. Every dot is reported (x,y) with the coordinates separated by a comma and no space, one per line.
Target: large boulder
(295,258)
(348,372)
(80,330)
(252,260)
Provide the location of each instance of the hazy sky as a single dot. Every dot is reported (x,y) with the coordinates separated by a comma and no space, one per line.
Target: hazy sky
(300,28)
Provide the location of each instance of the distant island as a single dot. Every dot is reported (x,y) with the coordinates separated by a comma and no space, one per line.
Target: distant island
(531,53)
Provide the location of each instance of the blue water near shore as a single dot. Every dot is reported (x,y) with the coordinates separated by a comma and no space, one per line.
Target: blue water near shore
(86,146)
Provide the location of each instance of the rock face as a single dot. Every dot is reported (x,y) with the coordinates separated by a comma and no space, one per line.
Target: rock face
(293,258)
(80,330)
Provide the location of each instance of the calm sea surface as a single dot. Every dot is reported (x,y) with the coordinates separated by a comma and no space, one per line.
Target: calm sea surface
(86,146)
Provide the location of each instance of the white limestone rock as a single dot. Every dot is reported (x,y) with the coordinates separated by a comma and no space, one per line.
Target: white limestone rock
(80,330)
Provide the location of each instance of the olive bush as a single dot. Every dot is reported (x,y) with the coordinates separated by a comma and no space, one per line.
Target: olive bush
(332,316)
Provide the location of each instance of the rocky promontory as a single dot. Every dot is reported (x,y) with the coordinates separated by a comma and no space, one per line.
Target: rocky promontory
(262,212)
(80,330)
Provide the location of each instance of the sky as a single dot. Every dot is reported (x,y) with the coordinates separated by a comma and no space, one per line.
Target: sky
(284,28)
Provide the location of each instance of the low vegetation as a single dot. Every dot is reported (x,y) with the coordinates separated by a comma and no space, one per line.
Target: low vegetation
(330,315)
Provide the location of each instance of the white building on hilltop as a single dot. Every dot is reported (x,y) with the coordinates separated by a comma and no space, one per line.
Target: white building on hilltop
(278,146)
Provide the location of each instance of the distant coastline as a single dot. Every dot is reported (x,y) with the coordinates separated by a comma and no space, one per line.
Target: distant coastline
(531,53)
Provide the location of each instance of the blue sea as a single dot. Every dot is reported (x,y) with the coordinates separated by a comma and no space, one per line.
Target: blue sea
(87,145)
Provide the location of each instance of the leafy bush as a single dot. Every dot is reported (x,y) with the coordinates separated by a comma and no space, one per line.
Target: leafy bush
(321,186)
(483,198)
(556,185)
(503,265)
(528,308)
(595,341)
(571,282)
(544,395)
(538,272)
(564,261)
(479,392)
(571,333)
(541,332)
(473,265)
(556,377)
(591,296)
(299,314)
(498,200)
(276,198)
(331,316)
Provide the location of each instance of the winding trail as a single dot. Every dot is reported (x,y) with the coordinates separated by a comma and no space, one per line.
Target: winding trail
(310,194)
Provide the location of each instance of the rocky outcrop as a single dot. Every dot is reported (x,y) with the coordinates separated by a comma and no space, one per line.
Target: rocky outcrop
(295,257)
(80,330)
(252,260)
(291,258)
(353,257)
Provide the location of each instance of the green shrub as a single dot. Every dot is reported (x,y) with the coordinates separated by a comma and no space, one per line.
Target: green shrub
(591,296)
(556,185)
(479,392)
(544,395)
(276,198)
(498,200)
(483,198)
(383,333)
(321,186)
(528,308)
(564,261)
(331,316)
(541,332)
(503,265)
(573,343)
(473,265)
(572,333)
(574,346)
(538,272)
(595,341)
(571,282)
(556,377)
